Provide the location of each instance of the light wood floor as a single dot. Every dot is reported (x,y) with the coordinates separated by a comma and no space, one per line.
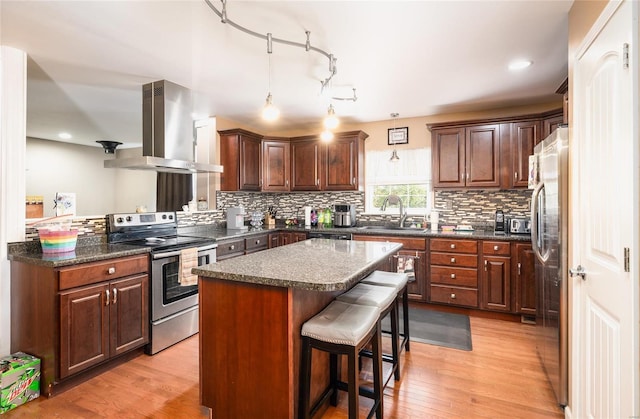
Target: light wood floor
(500,378)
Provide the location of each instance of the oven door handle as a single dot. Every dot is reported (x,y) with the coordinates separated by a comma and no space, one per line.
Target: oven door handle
(177,252)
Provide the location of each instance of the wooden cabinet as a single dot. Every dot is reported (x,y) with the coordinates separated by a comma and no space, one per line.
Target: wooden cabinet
(454,272)
(230,248)
(337,165)
(524,136)
(292,237)
(241,157)
(550,123)
(523,273)
(413,256)
(466,156)
(77,317)
(256,243)
(276,164)
(274,240)
(496,276)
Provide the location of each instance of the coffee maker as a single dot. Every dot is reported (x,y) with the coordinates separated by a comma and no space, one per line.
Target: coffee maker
(235,218)
(500,223)
(344,215)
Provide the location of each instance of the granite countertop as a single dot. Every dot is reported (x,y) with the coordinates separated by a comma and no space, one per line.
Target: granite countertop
(82,254)
(315,264)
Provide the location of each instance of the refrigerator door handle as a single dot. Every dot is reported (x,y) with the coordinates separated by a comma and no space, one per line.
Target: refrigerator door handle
(534,224)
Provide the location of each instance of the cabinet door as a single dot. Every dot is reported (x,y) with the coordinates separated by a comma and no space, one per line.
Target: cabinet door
(524,136)
(550,124)
(496,283)
(306,161)
(276,165)
(129,314)
(413,263)
(341,171)
(482,156)
(84,328)
(524,274)
(447,148)
(250,163)
(274,240)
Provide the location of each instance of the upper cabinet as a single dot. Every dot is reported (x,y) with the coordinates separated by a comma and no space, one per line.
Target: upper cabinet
(466,156)
(275,164)
(488,153)
(241,157)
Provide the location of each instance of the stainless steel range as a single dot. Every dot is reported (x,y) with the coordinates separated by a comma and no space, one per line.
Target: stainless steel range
(173,306)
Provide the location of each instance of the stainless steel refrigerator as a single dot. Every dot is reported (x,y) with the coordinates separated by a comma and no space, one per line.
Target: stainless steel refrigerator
(549,204)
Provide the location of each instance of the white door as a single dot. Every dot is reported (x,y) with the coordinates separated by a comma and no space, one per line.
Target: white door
(604,201)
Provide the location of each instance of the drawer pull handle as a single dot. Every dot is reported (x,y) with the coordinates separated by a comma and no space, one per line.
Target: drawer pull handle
(453,246)
(111,270)
(106,292)
(453,260)
(496,247)
(453,276)
(115,295)
(453,296)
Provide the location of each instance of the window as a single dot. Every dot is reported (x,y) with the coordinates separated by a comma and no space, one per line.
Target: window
(409,178)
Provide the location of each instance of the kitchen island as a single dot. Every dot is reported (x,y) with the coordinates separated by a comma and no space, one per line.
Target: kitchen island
(251,311)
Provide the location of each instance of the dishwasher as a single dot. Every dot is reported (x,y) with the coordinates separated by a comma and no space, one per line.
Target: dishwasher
(329,235)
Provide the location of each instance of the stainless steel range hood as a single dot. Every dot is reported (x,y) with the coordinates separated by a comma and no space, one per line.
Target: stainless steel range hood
(167,133)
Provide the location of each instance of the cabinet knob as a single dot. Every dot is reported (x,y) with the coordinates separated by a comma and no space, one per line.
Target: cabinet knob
(453,276)
(233,246)
(111,270)
(106,293)
(453,246)
(453,260)
(496,248)
(453,296)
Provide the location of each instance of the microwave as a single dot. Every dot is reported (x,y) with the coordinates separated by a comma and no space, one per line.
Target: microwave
(519,225)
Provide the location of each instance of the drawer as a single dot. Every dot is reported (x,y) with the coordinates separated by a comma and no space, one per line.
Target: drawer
(496,248)
(255,243)
(454,259)
(91,273)
(454,245)
(454,296)
(461,277)
(230,247)
(407,243)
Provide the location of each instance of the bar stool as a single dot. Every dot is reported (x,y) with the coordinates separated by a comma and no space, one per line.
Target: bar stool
(399,281)
(341,329)
(385,298)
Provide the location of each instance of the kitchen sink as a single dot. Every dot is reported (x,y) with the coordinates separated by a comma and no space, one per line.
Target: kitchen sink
(396,228)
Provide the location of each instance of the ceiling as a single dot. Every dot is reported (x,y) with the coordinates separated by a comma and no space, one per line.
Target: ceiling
(88,60)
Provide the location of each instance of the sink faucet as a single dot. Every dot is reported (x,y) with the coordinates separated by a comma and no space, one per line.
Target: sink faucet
(395,199)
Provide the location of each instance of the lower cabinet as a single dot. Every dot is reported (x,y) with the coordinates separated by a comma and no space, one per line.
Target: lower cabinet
(101,321)
(523,274)
(292,237)
(454,272)
(496,276)
(256,243)
(79,316)
(411,259)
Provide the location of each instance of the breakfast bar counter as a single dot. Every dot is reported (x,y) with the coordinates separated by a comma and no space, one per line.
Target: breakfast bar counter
(251,311)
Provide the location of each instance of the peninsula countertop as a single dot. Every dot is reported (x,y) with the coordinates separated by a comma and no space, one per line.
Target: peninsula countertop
(315,264)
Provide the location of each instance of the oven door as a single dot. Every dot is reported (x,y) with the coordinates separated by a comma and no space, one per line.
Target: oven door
(167,295)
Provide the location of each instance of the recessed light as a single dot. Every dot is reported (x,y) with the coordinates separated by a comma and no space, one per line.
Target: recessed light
(520,64)
(64,135)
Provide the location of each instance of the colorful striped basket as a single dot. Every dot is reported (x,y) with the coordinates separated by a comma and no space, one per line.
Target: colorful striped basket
(58,241)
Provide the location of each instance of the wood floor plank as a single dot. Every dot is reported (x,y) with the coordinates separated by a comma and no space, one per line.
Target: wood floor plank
(500,378)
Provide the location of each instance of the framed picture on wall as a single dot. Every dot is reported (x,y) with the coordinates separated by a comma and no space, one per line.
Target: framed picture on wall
(398,135)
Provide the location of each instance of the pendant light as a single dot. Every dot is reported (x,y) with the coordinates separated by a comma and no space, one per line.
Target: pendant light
(270,112)
(394,155)
(331,120)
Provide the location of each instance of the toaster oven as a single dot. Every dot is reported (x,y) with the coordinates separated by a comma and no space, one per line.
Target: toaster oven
(519,225)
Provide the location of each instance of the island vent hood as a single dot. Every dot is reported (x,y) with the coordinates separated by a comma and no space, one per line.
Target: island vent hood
(167,133)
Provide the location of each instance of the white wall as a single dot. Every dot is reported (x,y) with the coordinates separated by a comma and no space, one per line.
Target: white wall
(13,99)
(53,166)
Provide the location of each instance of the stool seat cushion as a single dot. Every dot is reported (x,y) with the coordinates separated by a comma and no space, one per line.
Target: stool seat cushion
(387,279)
(369,295)
(342,323)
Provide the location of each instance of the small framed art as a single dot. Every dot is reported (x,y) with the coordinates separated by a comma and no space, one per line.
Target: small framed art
(398,135)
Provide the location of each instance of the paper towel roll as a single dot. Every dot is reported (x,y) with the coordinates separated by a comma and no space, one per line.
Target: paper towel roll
(434,221)
(307,216)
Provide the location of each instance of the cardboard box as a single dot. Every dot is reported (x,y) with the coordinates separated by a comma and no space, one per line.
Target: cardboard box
(19,380)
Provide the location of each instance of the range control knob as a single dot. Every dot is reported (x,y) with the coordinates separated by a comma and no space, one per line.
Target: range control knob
(129,218)
(164,216)
(119,220)
(171,216)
